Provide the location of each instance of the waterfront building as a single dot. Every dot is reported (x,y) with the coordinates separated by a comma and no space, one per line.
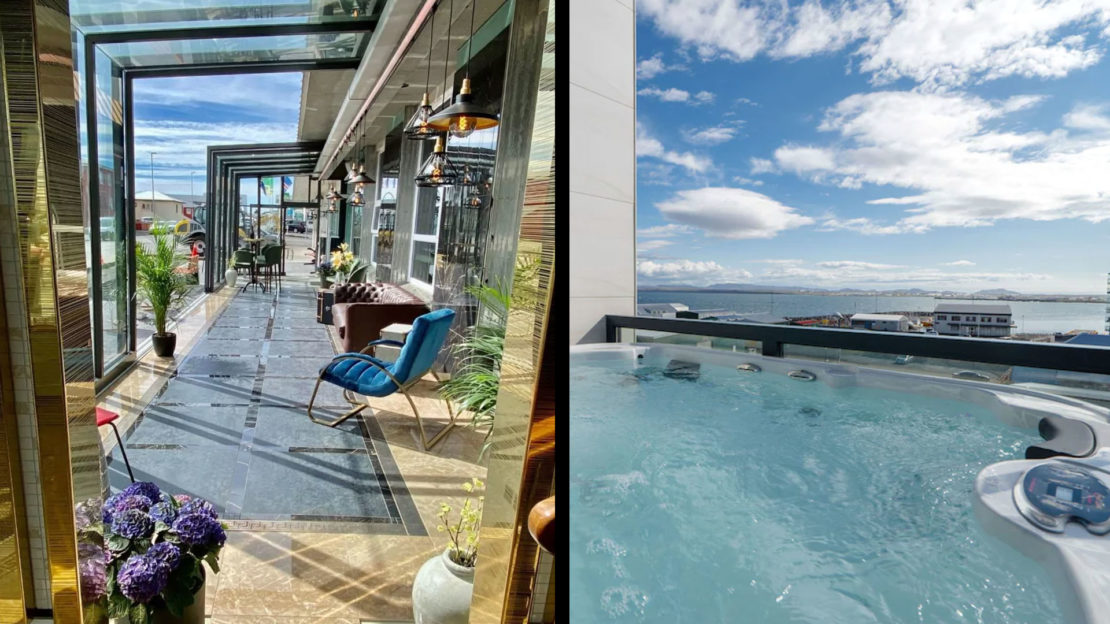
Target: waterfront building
(881,322)
(986,320)
(663,310)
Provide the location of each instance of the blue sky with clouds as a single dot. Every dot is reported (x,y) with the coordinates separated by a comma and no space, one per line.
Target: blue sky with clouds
(926,143)
(178,118)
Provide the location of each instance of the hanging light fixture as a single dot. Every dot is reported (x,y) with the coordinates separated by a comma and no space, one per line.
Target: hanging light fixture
(464,116)
(417,128)
(360,178)
(438,170)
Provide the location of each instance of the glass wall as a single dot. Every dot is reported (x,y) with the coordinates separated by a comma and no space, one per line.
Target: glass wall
(112,221)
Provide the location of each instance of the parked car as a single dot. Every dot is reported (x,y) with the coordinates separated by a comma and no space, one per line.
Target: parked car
(903,359)
(296,226)
(966,374)
(144,223)
(107,229)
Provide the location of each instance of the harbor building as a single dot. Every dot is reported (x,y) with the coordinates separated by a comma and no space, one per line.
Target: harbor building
(881,322)
(985,320)
(662,310)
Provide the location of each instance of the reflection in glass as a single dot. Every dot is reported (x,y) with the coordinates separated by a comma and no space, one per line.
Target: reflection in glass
(111,220)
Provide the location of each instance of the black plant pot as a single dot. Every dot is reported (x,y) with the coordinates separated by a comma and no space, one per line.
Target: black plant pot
(164,344)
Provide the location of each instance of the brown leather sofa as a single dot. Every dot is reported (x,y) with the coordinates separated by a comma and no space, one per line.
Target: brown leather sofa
(363,309)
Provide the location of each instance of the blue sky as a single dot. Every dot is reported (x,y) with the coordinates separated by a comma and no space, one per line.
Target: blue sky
(178,118)
(932,144)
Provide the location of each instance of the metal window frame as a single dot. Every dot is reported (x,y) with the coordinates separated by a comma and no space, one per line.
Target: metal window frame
(1056,356)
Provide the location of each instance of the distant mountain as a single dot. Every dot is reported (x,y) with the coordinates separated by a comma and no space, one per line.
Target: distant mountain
(997,292)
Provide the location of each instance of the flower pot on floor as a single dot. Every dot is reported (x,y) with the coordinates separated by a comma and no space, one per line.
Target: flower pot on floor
(164,344)
(230,276)
(441,592)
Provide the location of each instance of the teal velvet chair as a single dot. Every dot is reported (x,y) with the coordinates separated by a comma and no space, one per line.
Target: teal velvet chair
(361,373)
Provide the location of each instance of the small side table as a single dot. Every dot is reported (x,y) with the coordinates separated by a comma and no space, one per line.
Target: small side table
(325,299)
(396,331)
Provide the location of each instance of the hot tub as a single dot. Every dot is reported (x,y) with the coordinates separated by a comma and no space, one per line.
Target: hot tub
(720,487)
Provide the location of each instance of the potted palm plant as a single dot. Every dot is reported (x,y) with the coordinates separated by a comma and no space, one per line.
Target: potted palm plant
(160,283)
(444,585)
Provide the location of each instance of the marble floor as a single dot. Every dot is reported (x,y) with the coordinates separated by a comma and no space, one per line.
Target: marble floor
(326,525)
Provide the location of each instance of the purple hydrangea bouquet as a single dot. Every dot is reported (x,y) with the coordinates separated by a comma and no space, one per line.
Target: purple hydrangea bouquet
(141,551)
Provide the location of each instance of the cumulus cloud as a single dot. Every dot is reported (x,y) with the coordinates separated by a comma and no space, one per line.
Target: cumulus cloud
(957,163)
(678,95)
(688,271)
(712,135)
(734,213)
(650,67)
(650,147)
(937,43)
(762,165)
(704,97)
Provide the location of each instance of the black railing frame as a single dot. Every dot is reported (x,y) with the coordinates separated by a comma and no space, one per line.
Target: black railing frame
(1055,356)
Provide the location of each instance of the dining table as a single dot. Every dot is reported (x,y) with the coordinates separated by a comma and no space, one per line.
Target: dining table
(255,244)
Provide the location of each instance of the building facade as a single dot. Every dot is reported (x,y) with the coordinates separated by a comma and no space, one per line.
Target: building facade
(158,207)
(881,322)
(973,319)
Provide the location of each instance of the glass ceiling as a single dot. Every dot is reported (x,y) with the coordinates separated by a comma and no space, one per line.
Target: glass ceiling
(99,16)
(347,45)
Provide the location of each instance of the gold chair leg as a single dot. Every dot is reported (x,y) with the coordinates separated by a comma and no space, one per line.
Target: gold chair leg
(337,421)
(428,444)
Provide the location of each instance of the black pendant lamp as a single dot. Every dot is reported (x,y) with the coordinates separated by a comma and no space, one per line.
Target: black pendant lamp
(417,128)
(464,116)
(438,170)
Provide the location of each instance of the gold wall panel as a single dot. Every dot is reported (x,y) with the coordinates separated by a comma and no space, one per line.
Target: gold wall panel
(522,457)
(15,566)
(39,81)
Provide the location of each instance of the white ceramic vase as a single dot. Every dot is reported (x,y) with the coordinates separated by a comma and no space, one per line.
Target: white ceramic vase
(441,592)
(230,276)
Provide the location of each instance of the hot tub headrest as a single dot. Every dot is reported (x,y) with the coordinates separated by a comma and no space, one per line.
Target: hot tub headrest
(1062,436)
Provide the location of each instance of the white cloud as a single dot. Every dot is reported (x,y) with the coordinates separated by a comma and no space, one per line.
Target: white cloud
(705,97)
(762,165)
(1088,117)
(858,274)
(937,43)
(734,213)
(650,67)
(665,95)
(649,146)
(678,95)
(857,265)
(958,166)
(652,245)
(688,271)
(711,135)
(671,229)
(960,263)
(747,181)
(744,100)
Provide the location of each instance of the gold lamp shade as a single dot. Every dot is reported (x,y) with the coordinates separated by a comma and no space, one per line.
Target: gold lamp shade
(464,116)
(361,177)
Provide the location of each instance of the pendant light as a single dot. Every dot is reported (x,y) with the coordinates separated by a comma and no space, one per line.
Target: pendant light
(417,127)
(437,170)
(360,178)
(464,116)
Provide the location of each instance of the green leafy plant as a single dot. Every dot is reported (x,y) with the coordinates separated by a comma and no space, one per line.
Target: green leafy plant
(464,533)
(158,279)
(473,386)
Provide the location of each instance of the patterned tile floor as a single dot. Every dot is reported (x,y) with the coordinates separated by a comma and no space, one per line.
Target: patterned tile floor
(332,524)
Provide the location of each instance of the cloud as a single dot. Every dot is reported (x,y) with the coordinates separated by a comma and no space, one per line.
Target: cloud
(712,135)
(671,229)
(936,43)
(652,245)
(956,161)
(744,100)
(688,271)
(1088,117)
(747,181)
(762,165)
(677,95)
(859,274)
(960,263)
(650,67)
(650,147)
(734,213)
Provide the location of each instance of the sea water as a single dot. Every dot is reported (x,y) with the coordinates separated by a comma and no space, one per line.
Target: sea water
(758,498)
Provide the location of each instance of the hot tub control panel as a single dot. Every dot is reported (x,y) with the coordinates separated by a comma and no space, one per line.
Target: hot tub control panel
(1054,492)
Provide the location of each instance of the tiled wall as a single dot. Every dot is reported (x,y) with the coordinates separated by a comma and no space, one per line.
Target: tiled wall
(602,164)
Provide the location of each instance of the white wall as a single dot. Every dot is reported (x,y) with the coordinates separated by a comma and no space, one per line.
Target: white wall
(602,164)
